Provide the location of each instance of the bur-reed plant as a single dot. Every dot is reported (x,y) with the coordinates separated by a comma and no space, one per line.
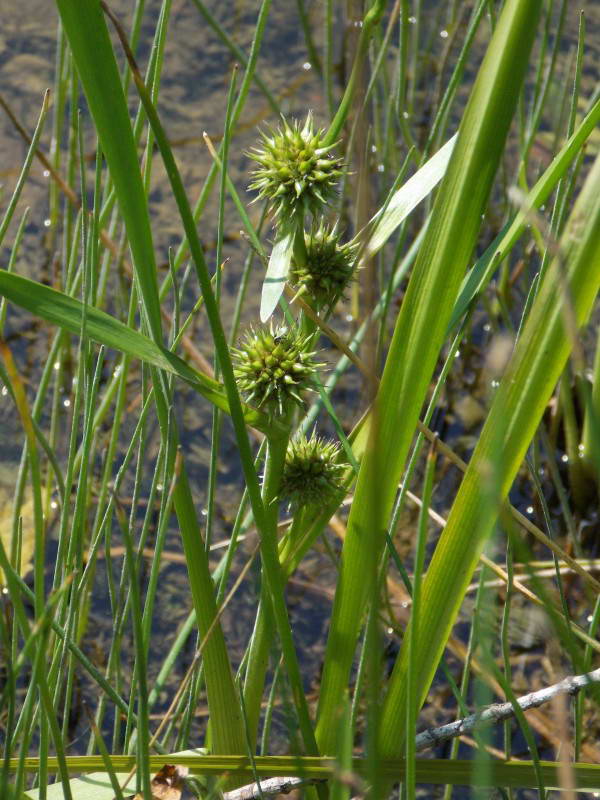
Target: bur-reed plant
(273,379)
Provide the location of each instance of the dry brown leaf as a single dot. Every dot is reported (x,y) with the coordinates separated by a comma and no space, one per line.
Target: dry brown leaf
(167,784)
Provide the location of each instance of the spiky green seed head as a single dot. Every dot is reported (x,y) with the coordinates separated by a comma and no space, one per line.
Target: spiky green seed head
(313,472)
(273,366)
(296,171)
(329,266)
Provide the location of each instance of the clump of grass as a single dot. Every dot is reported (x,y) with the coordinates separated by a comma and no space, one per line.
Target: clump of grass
(105,480)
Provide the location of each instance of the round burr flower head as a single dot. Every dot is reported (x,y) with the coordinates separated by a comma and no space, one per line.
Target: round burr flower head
(273,366)
(313,473)
(296,172)
(329,266)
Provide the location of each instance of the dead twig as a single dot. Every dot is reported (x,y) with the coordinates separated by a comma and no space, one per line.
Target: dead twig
(434,736)
(501,711)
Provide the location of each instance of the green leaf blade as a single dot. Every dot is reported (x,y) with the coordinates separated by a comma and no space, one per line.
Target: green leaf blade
(67,312)
(535,367)
(419,334)
(407,198)
(277,273)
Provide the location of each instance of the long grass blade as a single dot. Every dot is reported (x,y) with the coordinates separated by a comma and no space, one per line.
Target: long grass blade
(67,312)
(407,198)
(419,333)
(90,43)
(539,359)
(429,771)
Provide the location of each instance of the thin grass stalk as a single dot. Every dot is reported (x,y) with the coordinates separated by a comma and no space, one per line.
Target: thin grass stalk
(412,709)
(328,56)
(103,750)
(77,603)
(83,660)
(58,112)
(261,515)
(24,413)
(482,693)
(565,631)
(441,118)
(114,131)
(270,708)
(127,592)
(9,693)
(39,129)
(483,270)
(38,684)
(371,20)
(587,661)
(402,79)
(14,254)
(237,53)
(543,87)
(258,662)
(305,24)
(246,82)
(463,691)
(504,636)
(216,414)
(143,749)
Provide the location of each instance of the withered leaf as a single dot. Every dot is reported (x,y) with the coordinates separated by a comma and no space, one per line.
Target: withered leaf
(167,784)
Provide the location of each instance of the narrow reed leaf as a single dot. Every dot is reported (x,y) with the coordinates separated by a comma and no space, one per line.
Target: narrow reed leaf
(435,770)
(564,299)
(368,26)
(67,312)
(277,272)
(407,198)
(485,266)
(26,166)
(88,37)
(419,334)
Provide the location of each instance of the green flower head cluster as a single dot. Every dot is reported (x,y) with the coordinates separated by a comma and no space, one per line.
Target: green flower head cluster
(313,472)
(329,266)
(296,172)
(273,366)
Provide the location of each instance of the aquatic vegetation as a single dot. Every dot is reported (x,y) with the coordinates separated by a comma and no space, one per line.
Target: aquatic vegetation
(329,267)
(273,366)
(298,173)
(313,471)
(166,428)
